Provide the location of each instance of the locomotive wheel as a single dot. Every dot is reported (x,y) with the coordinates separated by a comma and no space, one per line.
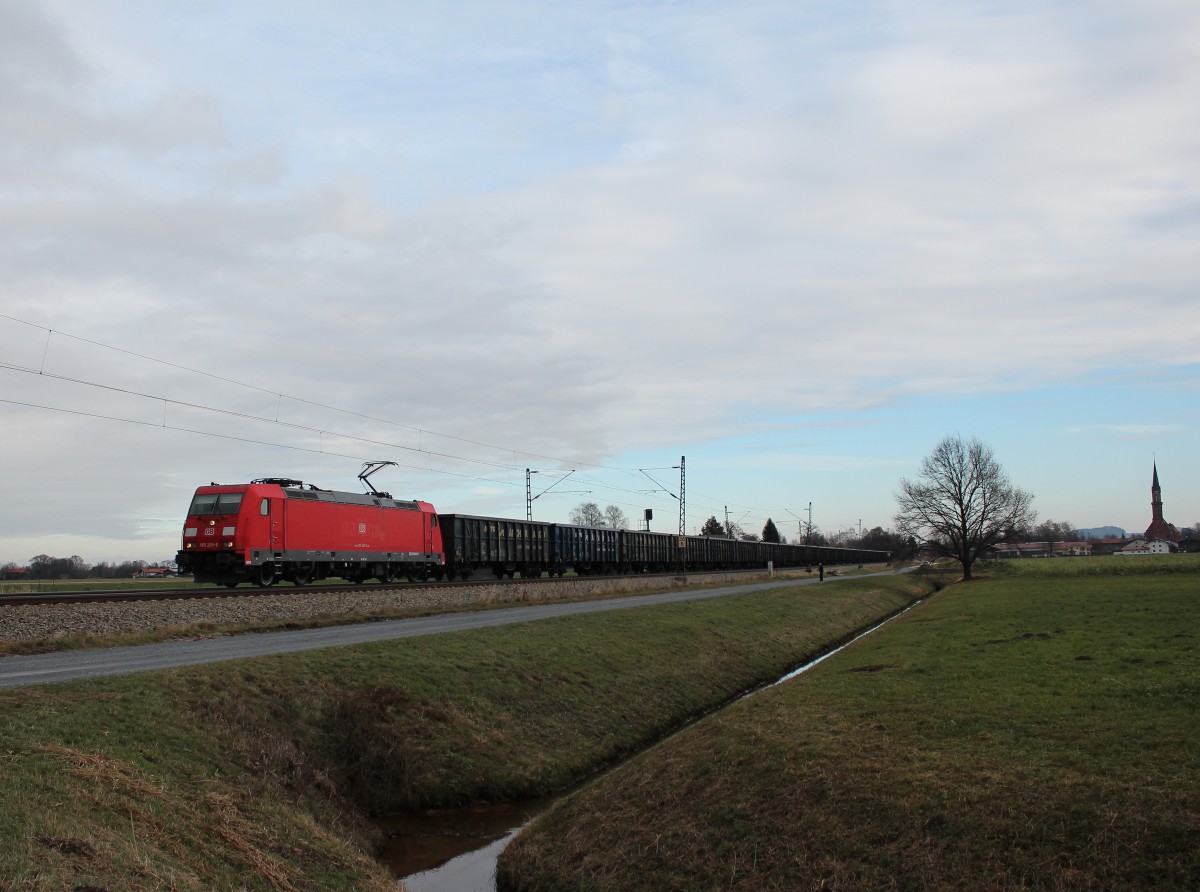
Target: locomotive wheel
(265,575)
(302,575)
(385,575)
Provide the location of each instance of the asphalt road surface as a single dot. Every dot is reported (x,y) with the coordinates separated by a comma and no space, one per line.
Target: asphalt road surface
(53,668)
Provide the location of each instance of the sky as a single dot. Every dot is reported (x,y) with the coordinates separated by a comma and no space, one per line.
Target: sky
(794,243)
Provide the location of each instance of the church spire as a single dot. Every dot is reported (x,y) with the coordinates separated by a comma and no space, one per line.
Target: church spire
(1156,515)
(1159,528)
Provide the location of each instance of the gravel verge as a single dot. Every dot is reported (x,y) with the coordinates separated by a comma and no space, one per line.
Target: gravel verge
(48,621)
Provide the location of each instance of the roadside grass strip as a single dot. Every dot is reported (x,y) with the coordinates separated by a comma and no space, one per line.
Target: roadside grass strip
(1015,733)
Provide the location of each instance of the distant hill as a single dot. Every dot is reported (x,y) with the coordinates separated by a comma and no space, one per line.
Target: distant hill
(1101,533)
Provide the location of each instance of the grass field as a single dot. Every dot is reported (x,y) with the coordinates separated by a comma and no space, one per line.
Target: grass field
(49,586)
(1036,730)
(257,774)
(1100,565)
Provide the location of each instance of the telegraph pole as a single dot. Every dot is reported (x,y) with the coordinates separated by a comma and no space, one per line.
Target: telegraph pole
(805,530)
(682,498)
(682,516)
(530,498)
(807,533)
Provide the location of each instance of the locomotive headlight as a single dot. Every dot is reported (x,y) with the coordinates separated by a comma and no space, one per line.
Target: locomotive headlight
(212,523)
(229,545)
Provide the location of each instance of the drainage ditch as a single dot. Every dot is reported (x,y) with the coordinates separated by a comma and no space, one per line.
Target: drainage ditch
(456,850)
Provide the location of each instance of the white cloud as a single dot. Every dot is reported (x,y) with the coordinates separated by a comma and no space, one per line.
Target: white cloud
(578,231)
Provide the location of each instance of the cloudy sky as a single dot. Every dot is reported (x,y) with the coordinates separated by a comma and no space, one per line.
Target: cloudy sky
(796,242)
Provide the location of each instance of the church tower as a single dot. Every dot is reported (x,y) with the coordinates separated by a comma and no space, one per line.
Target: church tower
(1159,528)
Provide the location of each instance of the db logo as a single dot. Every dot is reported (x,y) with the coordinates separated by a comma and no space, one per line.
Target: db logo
(362,527)
(210,531)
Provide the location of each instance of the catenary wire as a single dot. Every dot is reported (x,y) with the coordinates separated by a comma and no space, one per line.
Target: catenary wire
(278,393)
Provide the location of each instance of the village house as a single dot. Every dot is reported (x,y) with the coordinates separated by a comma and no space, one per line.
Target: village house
(1160,537)
(1141,546)
(1081,548)
(153,573)
(1109,545)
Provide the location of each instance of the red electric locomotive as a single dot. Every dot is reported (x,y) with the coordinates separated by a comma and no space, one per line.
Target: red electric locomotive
(277,528)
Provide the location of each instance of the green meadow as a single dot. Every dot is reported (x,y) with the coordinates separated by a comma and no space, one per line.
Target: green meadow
(1036,729)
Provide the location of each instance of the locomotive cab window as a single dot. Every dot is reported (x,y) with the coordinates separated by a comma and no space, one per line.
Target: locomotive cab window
(265,508)
(203,503)
(216,503)
(229,503)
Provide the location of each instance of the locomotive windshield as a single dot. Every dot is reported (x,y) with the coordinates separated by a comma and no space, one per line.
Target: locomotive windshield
(216,503)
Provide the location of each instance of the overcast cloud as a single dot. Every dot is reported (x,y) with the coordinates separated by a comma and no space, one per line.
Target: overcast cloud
(798,242)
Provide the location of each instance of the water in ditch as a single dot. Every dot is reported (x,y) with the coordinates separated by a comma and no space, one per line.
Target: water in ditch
(456,850)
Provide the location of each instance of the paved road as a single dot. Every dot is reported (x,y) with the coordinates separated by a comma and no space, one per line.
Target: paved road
(53,668)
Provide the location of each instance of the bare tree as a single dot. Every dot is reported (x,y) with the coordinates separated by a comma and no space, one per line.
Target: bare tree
(814,536)
(879,539)
(615,518)
(1051,531)
(844,538)
(587,514)
(43,566)
(962,502)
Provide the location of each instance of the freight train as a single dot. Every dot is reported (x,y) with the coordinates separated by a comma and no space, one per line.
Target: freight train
(277,528)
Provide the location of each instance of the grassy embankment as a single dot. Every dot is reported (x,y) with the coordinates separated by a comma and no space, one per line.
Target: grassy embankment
(1039,729)
(256,774)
